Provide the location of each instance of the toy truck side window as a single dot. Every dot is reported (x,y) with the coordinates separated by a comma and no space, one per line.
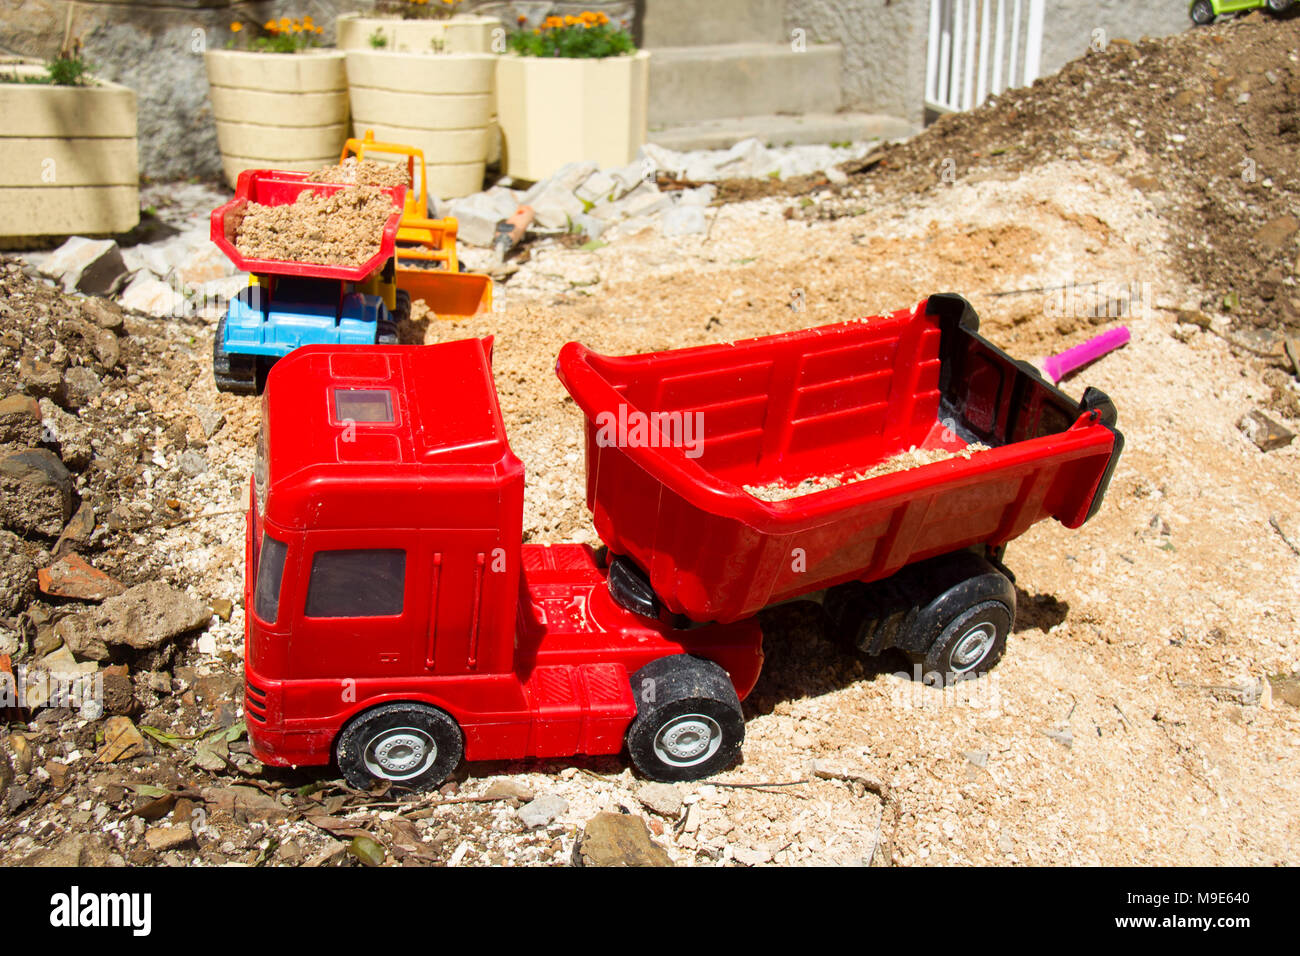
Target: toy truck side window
(368,582)
(270,572)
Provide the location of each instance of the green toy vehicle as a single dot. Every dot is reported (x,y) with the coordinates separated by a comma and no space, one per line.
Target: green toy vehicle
(1204,11)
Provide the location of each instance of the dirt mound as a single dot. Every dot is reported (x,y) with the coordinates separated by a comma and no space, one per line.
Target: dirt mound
(1207,121)
(342,228)
(364,172)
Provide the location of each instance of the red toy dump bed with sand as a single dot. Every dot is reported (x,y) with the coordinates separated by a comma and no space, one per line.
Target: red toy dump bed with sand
(278,187)
(828,403)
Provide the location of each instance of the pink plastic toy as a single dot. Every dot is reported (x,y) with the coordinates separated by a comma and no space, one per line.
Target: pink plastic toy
(1057,366)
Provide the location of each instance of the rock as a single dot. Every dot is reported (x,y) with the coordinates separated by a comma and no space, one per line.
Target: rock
(6,775)
(40,379)
(102,342)
(140,618)
(555,207)
(89,266)
(1286,688)
(223,608)
(122,741)
(507,790)
(246,802)
(161,839)
(80,385)
(663,798)
(17,575)
(682,220)
(35,492)
(69,433)
(20,421)
(836,175)
(72,577)
(152,297)
(210,420)
(477,215)
(58,773)
(589,225)
(192,463)
(618,839)
(71,850)
(542,810)
(1062,735)
(750,856)
(1266,433)
(22,753)
(1276,233)
(76,532)
(103,315)
(119,693)
(699,196)
(645,200)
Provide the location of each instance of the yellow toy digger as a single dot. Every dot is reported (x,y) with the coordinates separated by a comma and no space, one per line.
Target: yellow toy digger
(428,269)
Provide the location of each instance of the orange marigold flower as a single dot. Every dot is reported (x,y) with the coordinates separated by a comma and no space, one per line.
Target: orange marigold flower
(270,26)
(521,19)
(286,24)
(308,23)
(236,27)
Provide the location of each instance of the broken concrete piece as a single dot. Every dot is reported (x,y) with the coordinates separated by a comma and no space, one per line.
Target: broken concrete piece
(1264,431)
(35,492)
(72,577)
(618,839)
(140,618)
(89,266)
(684,221)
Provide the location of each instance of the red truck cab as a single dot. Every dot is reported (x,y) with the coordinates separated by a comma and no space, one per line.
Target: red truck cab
(395,620)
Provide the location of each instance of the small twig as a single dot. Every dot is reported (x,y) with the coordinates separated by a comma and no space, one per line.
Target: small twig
(1277,526)
(758,786)
(173,522)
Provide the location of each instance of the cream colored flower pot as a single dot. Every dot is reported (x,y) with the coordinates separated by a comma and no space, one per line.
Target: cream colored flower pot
(462,34)
(278,110)
(438,103)
(68,157)
(555,111)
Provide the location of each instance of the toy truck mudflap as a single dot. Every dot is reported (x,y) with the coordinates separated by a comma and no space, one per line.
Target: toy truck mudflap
(674,438)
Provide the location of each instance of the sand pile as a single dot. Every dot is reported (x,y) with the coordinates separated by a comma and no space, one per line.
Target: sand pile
(363,172)
(905,461)
(342,228)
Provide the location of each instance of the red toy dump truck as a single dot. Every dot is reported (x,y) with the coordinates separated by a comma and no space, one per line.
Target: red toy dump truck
(396,623)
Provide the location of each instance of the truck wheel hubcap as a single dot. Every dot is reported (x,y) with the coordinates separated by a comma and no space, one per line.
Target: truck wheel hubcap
(400,753)
(973,647)
(687,740)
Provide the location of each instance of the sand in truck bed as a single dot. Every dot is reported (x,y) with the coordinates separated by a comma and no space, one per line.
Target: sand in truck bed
(344,228)
(365,172)
(905,461)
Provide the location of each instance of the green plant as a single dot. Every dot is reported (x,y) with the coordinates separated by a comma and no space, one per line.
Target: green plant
(378,39)
(69,68)
(587,36)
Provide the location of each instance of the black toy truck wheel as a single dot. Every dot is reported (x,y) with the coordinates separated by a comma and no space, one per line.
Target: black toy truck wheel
(413,746)
(972,644)
(1280,6)
(232,373)
(688,723)
(1202,12)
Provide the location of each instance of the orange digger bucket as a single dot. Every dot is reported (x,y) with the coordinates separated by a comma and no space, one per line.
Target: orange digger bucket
(449,295)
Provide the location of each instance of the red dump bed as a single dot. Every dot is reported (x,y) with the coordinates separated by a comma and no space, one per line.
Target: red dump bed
(276,187)
(830,401)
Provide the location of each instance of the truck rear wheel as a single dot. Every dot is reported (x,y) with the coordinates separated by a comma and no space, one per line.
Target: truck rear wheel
(414,746)
(688,723)
(1202,12)
(972,643)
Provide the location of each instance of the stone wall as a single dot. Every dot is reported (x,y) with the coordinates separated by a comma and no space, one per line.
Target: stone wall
(156,48)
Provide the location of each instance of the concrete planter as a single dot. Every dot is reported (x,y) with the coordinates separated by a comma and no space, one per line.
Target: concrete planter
(463,34)
(555,111)
(439,103)
(278,110)
(68,157)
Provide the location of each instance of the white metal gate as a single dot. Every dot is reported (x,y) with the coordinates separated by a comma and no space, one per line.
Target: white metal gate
(978,48)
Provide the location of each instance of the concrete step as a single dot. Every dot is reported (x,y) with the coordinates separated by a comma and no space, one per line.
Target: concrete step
(669,23)
(778,130)
(692,83)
